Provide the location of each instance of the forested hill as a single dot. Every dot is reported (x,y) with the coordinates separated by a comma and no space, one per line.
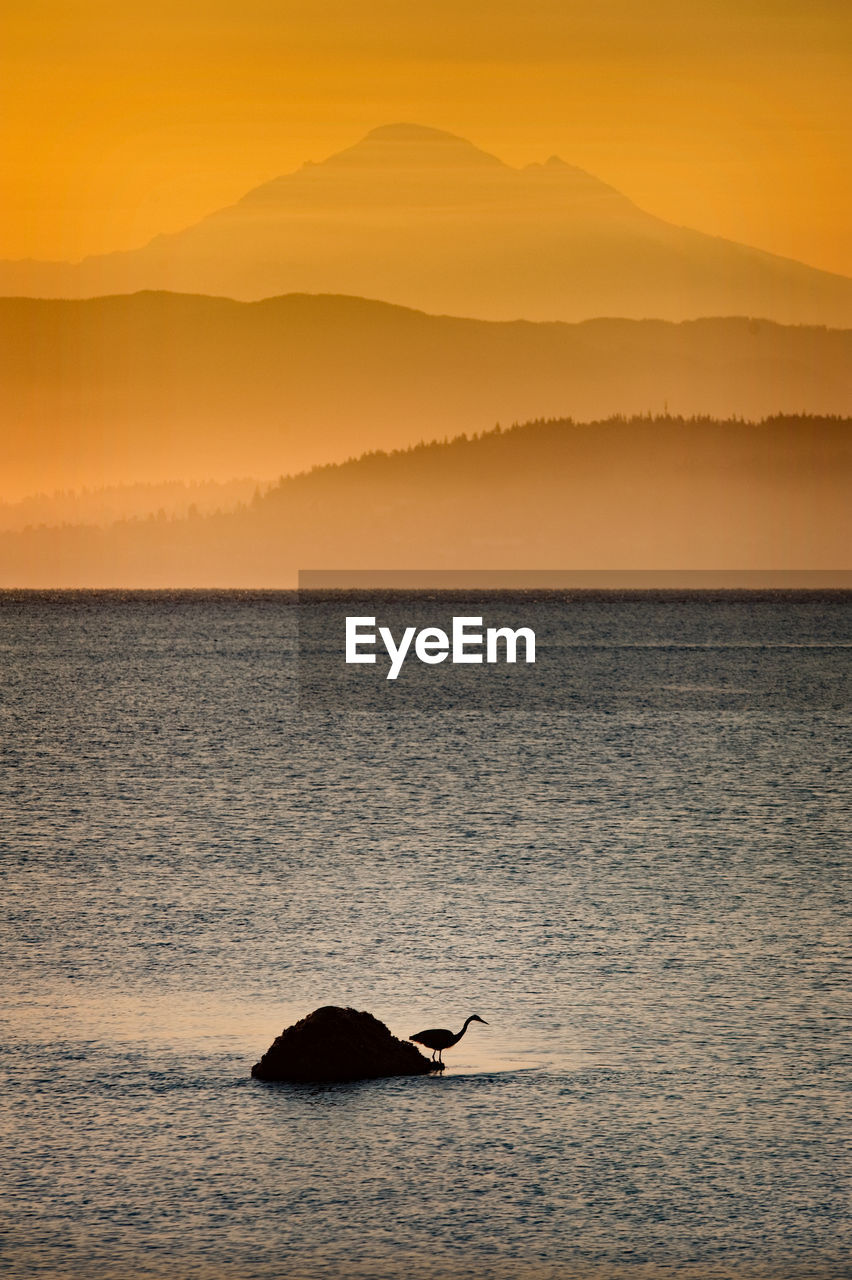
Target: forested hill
(637,493)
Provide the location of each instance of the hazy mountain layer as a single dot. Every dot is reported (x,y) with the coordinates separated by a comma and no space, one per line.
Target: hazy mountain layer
(626,494)
(157,387)
(423,218)
(127,501)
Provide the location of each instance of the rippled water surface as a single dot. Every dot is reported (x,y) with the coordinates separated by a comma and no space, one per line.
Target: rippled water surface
(644,890)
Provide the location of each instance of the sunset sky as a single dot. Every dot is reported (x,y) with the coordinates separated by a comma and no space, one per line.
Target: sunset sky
(120,121)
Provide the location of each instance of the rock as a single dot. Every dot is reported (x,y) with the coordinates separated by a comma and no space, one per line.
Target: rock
(339,1044)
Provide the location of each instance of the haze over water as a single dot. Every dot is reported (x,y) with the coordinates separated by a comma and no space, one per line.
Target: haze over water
(645,891)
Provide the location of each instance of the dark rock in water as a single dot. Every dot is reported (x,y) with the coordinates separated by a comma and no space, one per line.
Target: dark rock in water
(339,1044)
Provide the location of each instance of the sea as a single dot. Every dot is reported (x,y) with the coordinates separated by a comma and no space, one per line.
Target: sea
(642,885)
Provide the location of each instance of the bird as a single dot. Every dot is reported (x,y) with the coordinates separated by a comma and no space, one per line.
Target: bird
(439,1038)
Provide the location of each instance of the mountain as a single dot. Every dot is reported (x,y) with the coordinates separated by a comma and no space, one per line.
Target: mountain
(422,218)
(623,494)
(162,387)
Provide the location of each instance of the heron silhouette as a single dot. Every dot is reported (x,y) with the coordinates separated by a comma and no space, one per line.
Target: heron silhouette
(439,1038)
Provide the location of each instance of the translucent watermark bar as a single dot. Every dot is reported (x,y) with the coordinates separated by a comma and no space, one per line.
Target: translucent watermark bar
(433,641)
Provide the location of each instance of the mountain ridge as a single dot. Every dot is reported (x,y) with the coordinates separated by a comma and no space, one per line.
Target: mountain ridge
(156,387)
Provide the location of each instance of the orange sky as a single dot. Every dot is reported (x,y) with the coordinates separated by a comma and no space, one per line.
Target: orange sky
(121,120)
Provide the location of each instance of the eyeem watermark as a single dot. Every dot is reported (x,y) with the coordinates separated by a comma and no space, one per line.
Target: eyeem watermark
(464,643)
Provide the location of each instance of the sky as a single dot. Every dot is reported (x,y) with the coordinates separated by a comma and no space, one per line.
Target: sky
(119,121)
